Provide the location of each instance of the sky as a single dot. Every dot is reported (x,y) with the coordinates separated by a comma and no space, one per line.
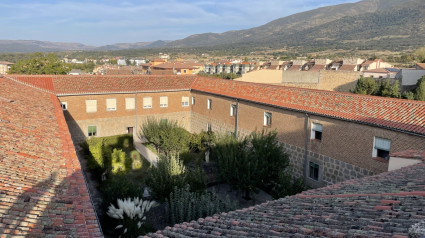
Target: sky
(105,22)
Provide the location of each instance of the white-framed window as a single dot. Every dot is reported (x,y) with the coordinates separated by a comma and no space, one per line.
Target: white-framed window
(185,101)
(64,106)
(313,171)
(92,131)
(267,118)
(111,104)
(316,131)
(193,100)
(209,127)
(147,102)
(381,147)
(232,110)
(209,104)
(130,103)
(163,101)
(91,105)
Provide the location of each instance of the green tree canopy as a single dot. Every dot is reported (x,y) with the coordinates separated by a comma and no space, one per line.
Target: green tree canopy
(39,63)
(366,86)
(420,89)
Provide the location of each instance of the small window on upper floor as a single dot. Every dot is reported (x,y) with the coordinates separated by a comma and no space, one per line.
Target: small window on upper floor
(209,104)
(64,106)
(130,103)
(91,105)
(147,102)
(381,148)
(267,118)
(185,101)
(232,110)
(111,104)
(193,100)
(316,131)
(163,101)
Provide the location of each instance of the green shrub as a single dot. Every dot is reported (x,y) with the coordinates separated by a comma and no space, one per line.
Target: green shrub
(195,177)
(166,136)
(251,162)
(137,160)
(119,187)
(119,162)
(185,205)
(169,173)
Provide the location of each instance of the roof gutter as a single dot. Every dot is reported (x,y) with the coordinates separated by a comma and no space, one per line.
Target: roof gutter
(316,114)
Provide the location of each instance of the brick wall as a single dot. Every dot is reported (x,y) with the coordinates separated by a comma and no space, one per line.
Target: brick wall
(116,122)
(345,151)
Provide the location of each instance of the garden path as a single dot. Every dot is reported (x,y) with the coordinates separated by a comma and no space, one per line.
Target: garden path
(144,151)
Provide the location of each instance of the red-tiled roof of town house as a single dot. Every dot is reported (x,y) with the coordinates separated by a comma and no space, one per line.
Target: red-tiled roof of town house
(420,65)
(42,188)
(399,114)
(410,154)
(173,65)
(6,63)
(385,205)
(317,67)
(102,84)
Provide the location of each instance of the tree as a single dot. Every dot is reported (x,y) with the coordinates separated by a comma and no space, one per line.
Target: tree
(366,86)
(251,162)
(420,89)
(40,64)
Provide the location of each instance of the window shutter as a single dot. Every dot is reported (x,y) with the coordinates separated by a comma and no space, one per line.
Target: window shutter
(317,127)
(185,101)
(111,104)
(147,102)
(91,105)
(130,103)
(163,101)
(382,144)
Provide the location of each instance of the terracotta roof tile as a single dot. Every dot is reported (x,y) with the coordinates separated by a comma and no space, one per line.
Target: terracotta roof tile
(385,205)
(42,188)
(399,114)
(90,84)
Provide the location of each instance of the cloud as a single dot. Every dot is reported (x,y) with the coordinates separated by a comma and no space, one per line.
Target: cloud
(101,22)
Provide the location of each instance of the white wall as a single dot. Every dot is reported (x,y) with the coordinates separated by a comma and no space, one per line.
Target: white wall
(398,163)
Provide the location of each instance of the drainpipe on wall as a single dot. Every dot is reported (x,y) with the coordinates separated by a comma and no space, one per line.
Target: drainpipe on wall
(135,127)
(307,121)
(236,118)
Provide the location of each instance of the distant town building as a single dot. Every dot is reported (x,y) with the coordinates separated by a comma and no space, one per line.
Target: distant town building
(5,67)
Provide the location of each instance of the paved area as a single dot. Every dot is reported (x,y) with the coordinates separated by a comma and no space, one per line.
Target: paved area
(145,152)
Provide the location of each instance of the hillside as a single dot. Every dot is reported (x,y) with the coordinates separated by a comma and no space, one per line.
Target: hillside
(369,24)
(294,25)
(39,46)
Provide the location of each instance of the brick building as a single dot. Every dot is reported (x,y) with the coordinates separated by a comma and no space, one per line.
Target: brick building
(331,136)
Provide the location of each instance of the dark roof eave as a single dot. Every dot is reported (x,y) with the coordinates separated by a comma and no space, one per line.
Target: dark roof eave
(317,114)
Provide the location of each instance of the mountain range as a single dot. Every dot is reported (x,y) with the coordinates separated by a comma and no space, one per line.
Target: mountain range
(369,24)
